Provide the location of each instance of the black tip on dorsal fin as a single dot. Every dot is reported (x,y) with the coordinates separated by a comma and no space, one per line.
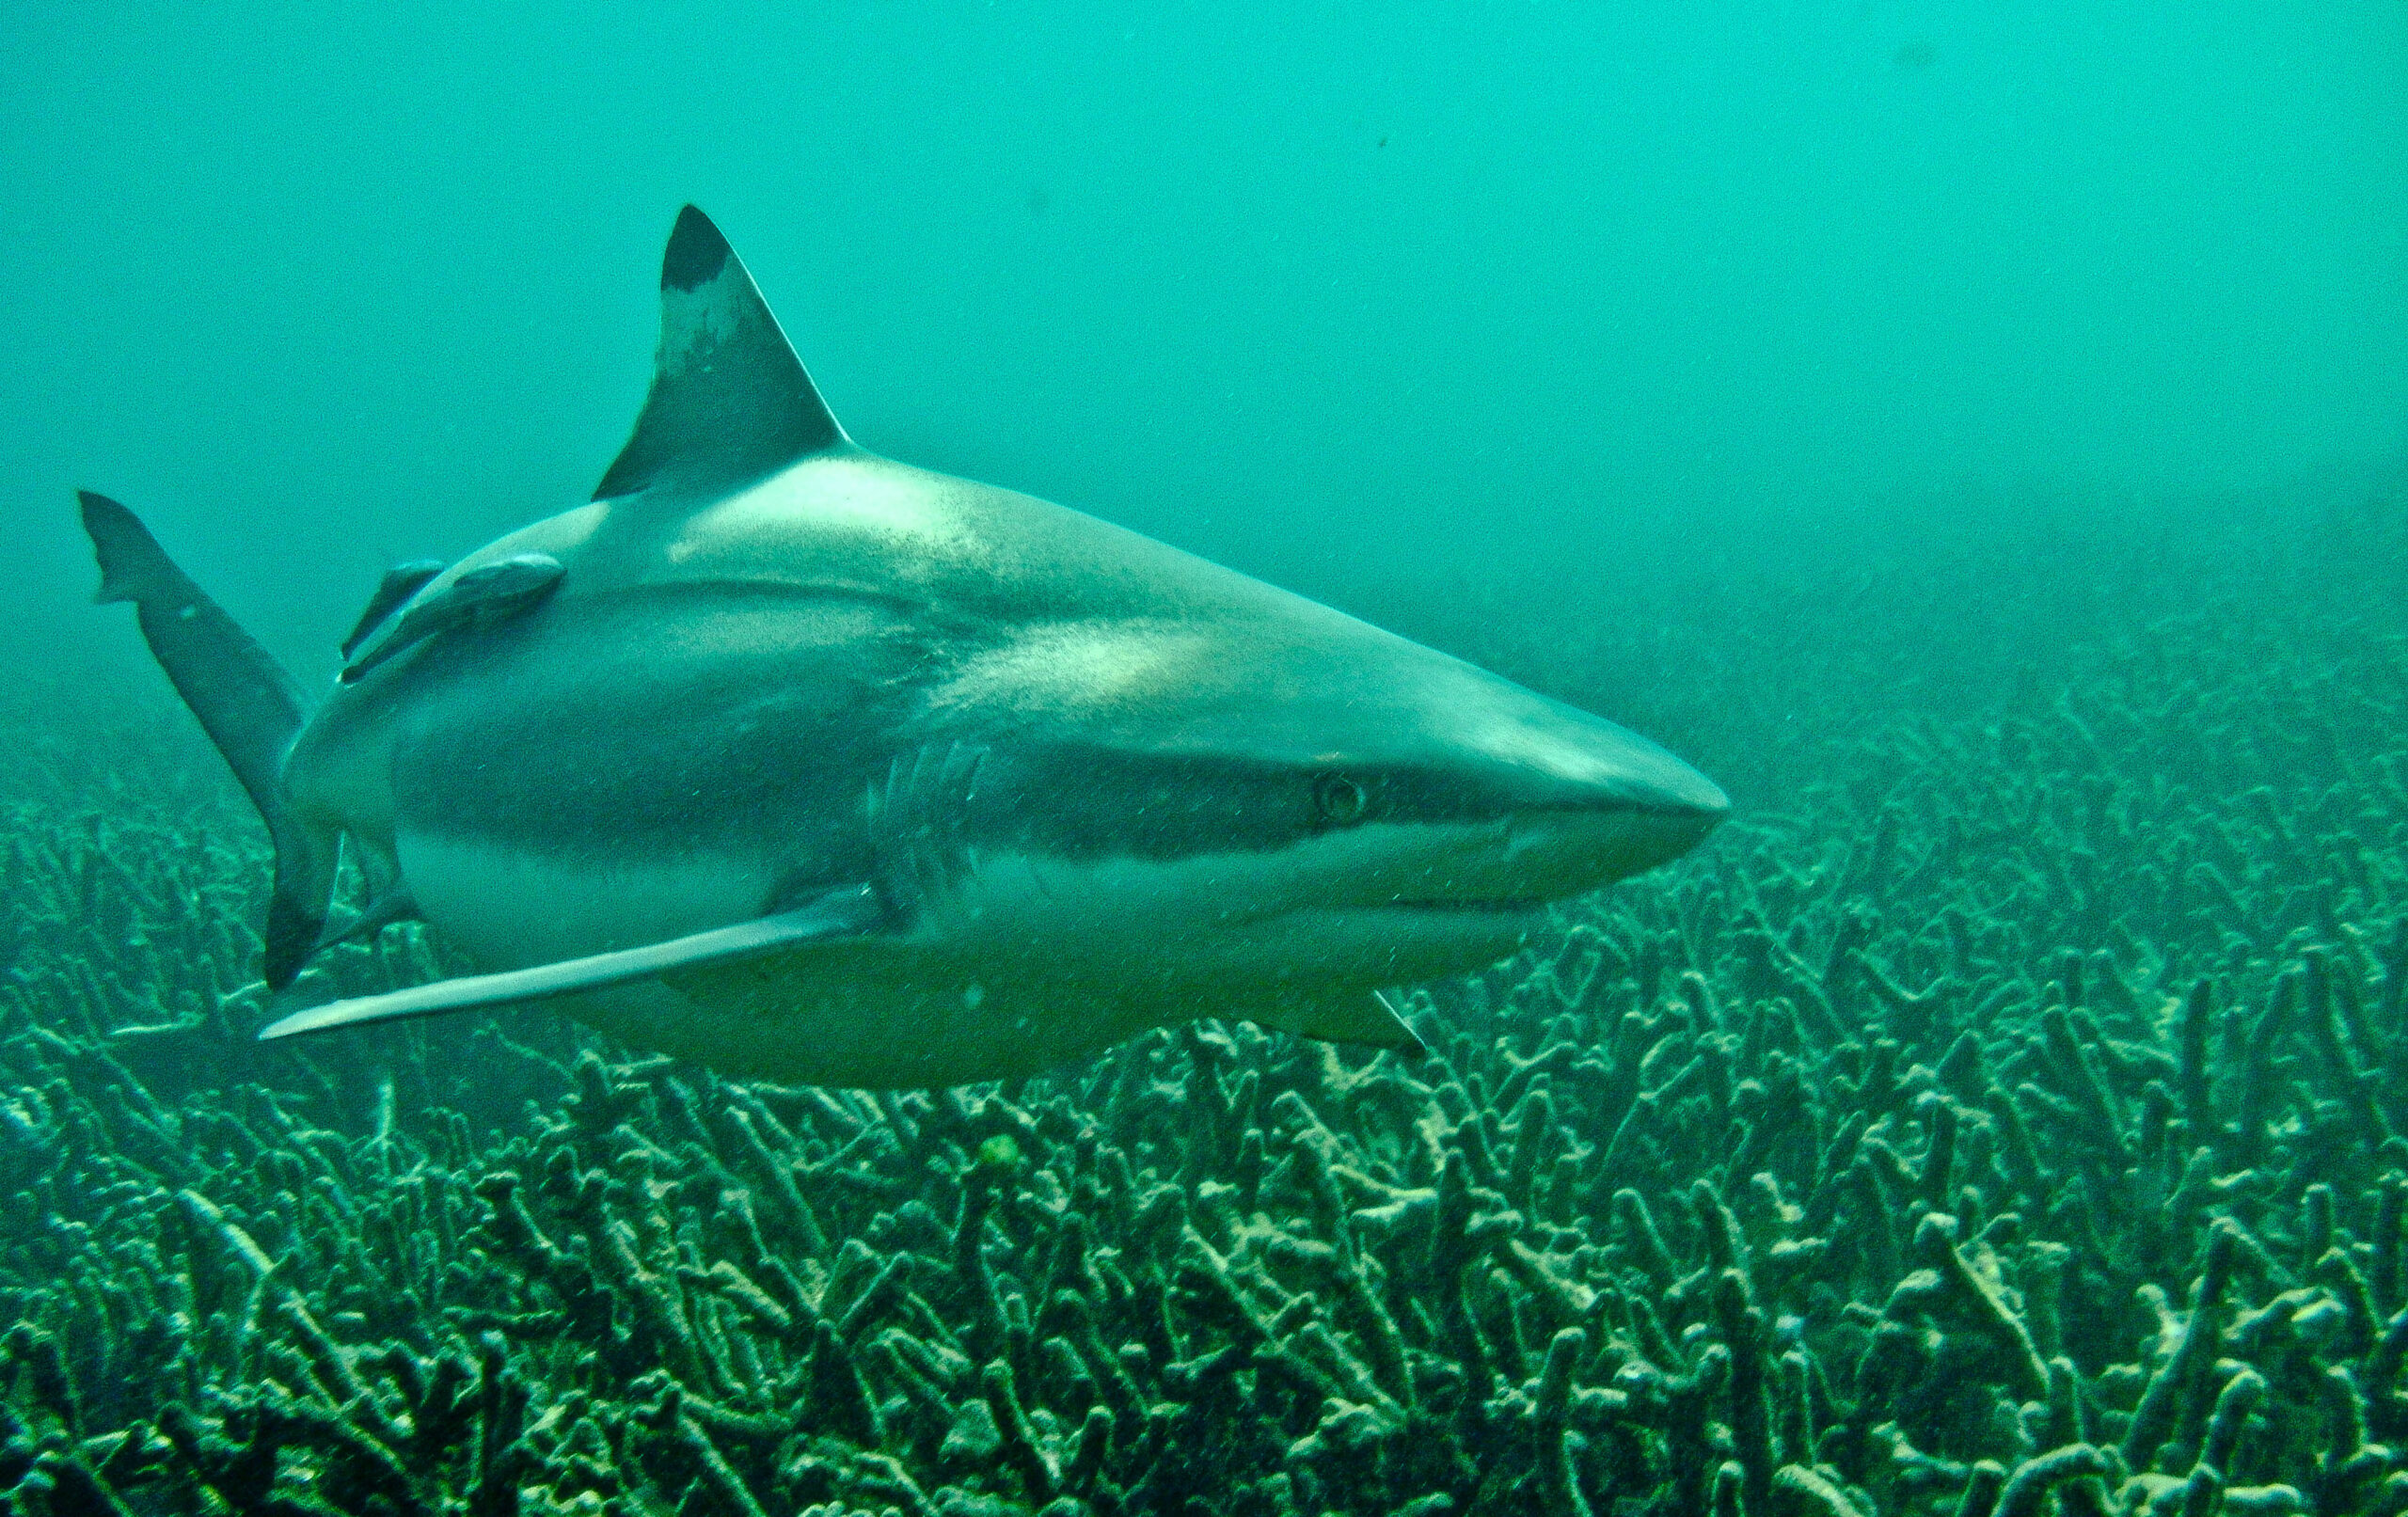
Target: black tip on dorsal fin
(697,252)
(730,401)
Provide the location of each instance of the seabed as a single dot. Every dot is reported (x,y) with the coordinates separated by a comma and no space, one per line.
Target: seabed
(2007,1111)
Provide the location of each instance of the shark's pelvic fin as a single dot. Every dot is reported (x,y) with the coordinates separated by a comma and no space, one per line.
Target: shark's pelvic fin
(250,706)
(840,914)
(400,583)
(730,401)
(395,905)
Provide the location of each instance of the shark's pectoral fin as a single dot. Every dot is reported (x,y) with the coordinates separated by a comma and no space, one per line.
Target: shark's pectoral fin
(847,913)
(487,593)
(1372,1021)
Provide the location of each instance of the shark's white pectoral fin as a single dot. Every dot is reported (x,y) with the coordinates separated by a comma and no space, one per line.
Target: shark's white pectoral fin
(730,401)
(1372,1021)
(840,913)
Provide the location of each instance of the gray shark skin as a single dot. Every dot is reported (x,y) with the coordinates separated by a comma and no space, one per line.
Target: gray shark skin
(809,765)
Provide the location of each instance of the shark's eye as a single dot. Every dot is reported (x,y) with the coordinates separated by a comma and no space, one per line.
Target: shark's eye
(1337,799)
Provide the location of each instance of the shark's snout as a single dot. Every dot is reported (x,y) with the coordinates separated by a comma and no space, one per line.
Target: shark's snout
(1564,851)
(1597,803)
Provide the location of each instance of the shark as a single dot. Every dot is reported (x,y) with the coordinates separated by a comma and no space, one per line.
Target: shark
(811,766)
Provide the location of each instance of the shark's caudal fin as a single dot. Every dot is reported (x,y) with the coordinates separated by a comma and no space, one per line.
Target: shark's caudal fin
(250,706)
(730,401)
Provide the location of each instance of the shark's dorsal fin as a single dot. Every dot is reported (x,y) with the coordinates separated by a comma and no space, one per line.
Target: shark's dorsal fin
(730,401)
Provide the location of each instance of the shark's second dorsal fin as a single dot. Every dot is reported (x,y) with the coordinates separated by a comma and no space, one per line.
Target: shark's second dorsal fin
(730,401)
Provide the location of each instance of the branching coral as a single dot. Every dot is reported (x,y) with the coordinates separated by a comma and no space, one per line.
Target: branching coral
(2009,1125)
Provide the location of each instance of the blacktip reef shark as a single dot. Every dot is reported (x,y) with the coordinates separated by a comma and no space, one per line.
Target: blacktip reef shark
(808,765)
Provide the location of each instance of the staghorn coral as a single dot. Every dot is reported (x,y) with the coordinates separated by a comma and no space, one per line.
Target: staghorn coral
(2007,1123)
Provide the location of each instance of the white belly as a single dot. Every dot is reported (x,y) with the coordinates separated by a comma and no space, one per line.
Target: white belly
(508,908)
(888,1012)
(1022,964)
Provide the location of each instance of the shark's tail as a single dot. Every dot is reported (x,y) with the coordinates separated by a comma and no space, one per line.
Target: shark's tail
(250,706)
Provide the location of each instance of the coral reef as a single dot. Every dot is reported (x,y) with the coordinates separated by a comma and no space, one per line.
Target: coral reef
(2004,1116)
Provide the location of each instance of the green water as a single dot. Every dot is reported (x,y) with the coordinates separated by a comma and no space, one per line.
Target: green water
(1975,440)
